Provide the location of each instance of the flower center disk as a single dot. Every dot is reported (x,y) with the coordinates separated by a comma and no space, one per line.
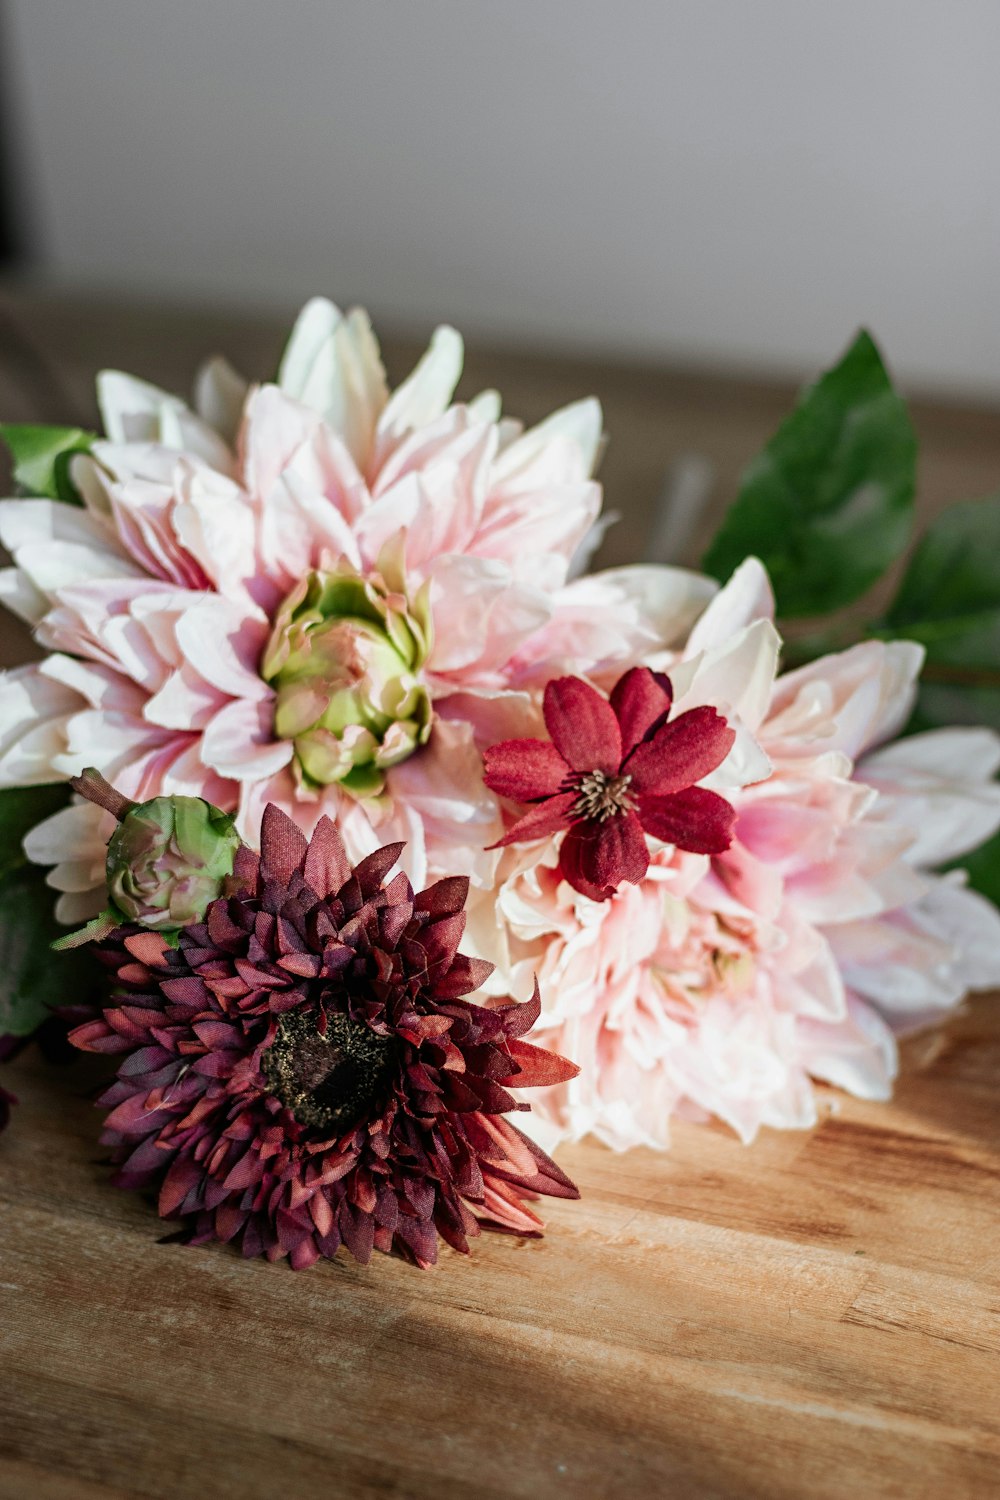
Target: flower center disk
(601,796)
(328,1080)
(344,658)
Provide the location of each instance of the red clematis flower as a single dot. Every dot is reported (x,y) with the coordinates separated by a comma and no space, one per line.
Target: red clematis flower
(612,770)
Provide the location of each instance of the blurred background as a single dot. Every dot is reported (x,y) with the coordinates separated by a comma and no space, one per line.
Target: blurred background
(683,206)
(718,182)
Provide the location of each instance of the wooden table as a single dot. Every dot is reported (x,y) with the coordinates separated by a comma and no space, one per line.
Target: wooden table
(818,1315)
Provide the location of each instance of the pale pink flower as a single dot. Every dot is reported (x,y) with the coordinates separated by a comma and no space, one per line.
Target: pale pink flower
(724,986)
(156,599)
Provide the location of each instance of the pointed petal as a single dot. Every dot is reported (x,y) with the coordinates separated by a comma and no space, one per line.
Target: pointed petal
(696,819)
(333,365)
(681,753)
(445,897)
(640,699)
(524,770)
(583,725)
(547,818)
(219,395)
(282,845)
(424,395)
(327,866)
(537,1067)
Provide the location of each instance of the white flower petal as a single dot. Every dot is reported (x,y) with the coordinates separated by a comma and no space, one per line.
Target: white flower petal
(239,743)
(745,598)
(940,785)
(858,1054)
(424,395)
(333,365)
(33,715)
(134,411)
(563,448)
(21,597)
(220,395)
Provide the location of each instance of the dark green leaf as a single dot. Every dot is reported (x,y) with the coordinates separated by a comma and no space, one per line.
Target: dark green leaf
(950,595)
(32,977)
(943,703)
(828,504)
(42,457)
(983,866)
(20,809)
(949,600)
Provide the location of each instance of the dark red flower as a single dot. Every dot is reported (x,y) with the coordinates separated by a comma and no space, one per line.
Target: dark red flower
(612,770)
(302,1070)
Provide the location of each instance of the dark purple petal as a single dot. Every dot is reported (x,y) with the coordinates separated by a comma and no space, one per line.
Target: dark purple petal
(596,857)
(583,726)
(327,867)
(444,897)
(524,770)
(641,700)
(681,753)
(696,819)
(373,869)
(302,1069)
(537,1067)
(282,845)
(542,821)
(464,977)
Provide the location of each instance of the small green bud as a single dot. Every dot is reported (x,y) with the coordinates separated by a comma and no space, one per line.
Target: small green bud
(168,860)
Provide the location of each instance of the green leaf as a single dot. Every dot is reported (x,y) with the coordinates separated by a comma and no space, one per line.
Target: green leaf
(942,703)
(21,808)
(828,504)
(949,600)
(950,594)
(32,977)
(983,866)
(42,457)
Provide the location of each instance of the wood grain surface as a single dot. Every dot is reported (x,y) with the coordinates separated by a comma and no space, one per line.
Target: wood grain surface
(818,1315)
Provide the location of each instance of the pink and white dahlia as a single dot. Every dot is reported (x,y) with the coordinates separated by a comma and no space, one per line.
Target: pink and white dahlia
(311,593)
(723,984)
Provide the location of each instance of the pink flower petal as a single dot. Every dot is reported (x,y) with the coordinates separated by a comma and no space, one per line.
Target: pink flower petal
(681,753)
(524,769)
(596,857)
(239,742)
(582,725)
(696,819)
(639,700)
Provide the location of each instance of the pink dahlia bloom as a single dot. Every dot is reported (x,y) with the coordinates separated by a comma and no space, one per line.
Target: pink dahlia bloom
(311,593)
(723,985)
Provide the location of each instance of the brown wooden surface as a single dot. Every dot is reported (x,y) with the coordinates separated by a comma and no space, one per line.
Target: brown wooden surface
(816,1315)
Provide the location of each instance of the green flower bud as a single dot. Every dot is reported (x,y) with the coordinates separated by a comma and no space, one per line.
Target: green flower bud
(168,859)
(344,657)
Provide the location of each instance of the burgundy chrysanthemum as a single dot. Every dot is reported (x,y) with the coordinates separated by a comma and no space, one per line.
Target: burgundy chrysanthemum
(302,1070)
(612,770)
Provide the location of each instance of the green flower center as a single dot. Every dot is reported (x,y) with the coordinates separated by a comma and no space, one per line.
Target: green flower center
(344,657)
(328,1080)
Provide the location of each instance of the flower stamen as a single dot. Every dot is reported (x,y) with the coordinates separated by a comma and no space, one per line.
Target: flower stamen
(602,796)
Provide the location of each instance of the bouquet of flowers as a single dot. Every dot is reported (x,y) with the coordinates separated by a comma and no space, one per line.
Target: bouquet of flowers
(302,633)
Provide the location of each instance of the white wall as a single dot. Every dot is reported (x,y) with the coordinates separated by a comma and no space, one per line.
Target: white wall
(722,179)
